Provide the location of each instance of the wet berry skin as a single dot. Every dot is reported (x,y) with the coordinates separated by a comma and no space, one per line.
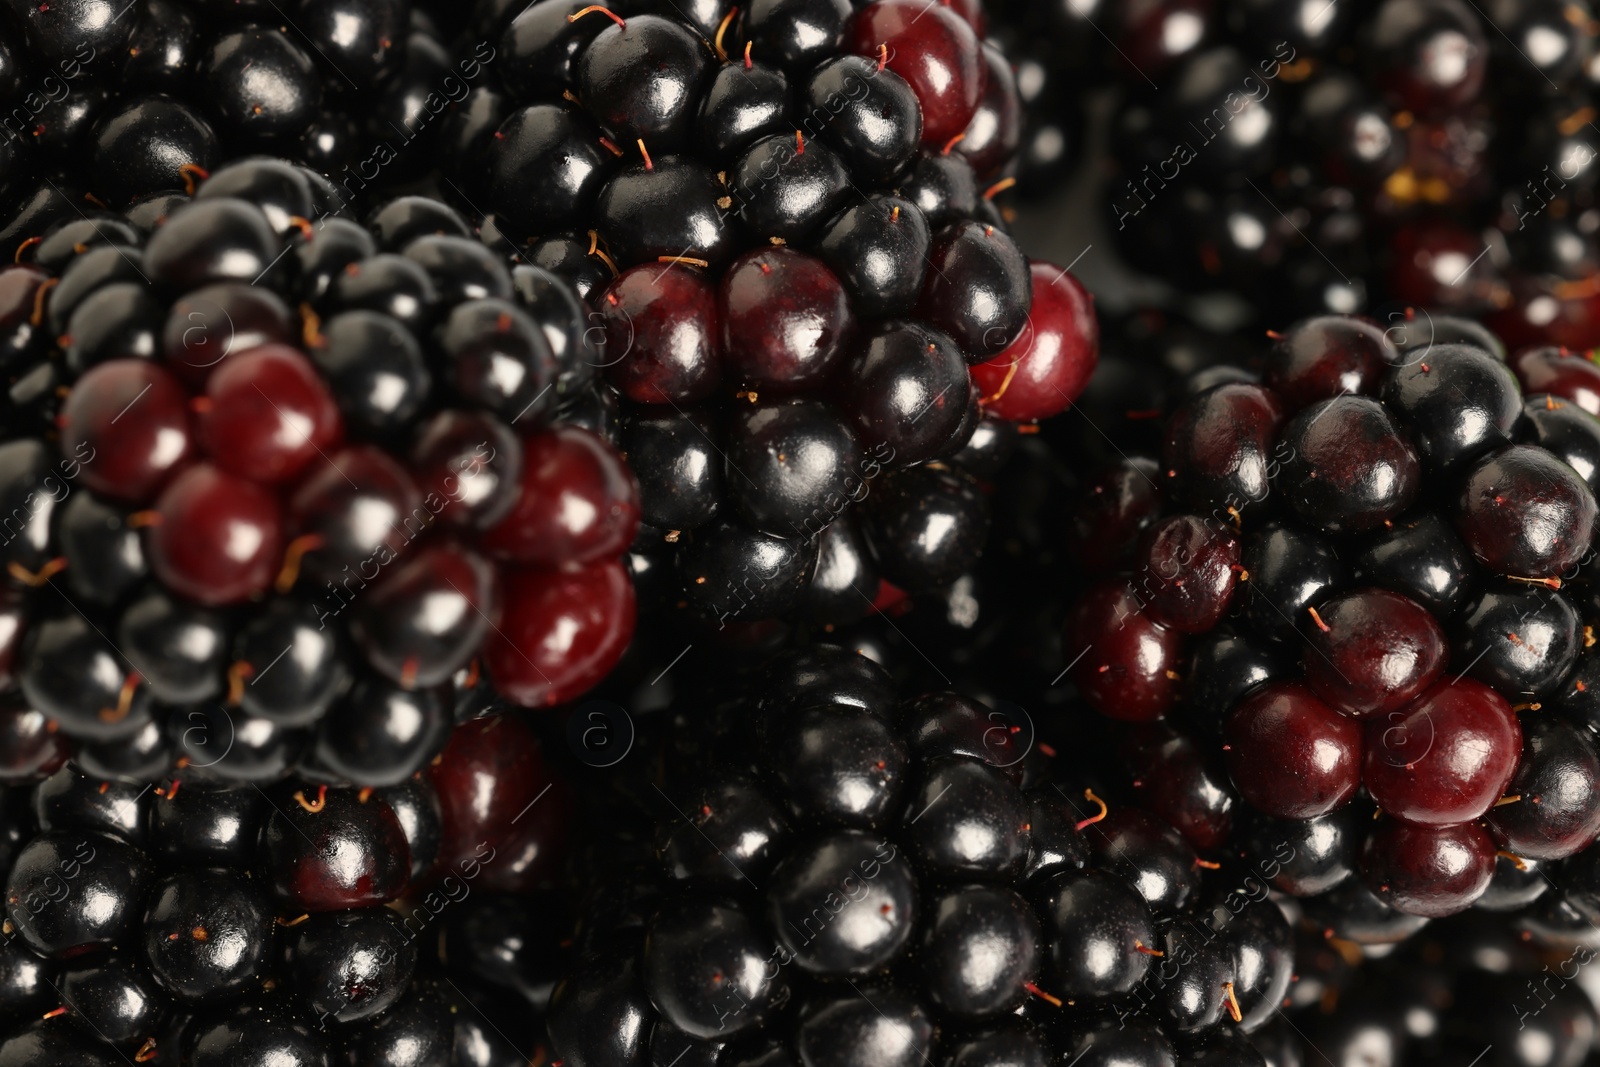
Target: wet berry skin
(1561,373)
(206,824)
(966,924)
(1566,430)
(906,387)
(741,106)
(497,821)
(697,954)
(1186,571)
(1558,781)
(926,526)
(106,878)
(1305,857)
(254,1034)
(218,539)
(938,55)
(1091,919)
(1290,755)
(674,207)
(1047,367)
(676,462)
(1523,512)
(1114,511)
(523,182)
(1372,652)
(785,320)
(979,834)
(1520,637)
(661,334)
(57,1041)
(222,240)
(132,417)
(351,965)
(641,80)
(499,359)
(792,465)
(786,189)
(361,505)
(577,502)
(885,1026)
(1421,557)
(1219,446)
(1428,870)
(978,289)
(114,998)
(1129,664)
(1347,467)
(1291,569)
(207,934)
(1181,780)
(600,1012)
(29,746)
(560,632)
(730,571)
(422,620)
(475,460)
(268,414)
(879,251)
(1458,401)
(347,853)
(1324,357)
(874,122)
(1149,854)
(1446,757)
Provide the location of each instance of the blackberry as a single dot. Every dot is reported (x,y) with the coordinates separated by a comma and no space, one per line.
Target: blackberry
(107,109)
(828,874)
(1353,160)
(1355,580)
(786,219)
(307,480)
(210,922)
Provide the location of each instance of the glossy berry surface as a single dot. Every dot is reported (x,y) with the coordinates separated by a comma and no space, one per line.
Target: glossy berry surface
(1291,755)
(1472,742)
(217,538)
(267,415)
(1427,870)
(354,857)
(138,451)
(1373,652)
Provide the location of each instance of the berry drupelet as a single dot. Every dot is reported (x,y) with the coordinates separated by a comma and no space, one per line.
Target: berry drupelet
(832,875)
(1356,586)
(297,485)
(193,923)
(785,216)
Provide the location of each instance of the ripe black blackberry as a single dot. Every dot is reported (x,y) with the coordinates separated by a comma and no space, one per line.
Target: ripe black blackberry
(1340,160)
(202,924)
(785,217)
(110,106)
(1359,579)
(839,877)
(282,490)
